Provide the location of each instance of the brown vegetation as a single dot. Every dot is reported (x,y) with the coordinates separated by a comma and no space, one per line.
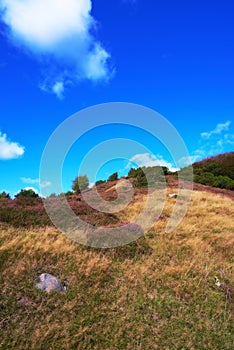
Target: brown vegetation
(159,292)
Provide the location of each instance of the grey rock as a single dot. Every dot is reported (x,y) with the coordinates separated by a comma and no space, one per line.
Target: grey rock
(48,283)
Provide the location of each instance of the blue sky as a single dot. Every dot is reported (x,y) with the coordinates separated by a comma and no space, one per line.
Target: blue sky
(58,57)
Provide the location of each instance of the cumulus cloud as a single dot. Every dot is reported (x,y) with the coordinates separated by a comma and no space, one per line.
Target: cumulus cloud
(8,149)
(61,33)
(28,180)
(150,160)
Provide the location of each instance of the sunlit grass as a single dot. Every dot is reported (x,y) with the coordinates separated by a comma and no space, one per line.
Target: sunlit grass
(156,293)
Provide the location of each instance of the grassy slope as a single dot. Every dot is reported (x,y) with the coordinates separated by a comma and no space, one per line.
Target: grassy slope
(157,293)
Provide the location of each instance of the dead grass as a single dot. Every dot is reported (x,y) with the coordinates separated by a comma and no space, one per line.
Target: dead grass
(156,293)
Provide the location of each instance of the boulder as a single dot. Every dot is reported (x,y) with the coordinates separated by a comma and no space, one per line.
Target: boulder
(49,283)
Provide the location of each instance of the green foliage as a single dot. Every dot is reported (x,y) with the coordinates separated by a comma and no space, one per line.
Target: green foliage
(113,177)
(133,172)
(224,182)
(148,176)
(141,180)
(186,173)
(5,195)
(221,165)
(215,171)
(80,183)
(69,193)
(26,194)
(100,182)
(165,170)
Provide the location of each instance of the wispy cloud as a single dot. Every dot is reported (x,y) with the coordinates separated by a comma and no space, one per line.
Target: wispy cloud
(28,180)
(217,140)
(217,130)
(187,161)
(210,143)
(61,35)
(58,89)
(150,160)
(9,149)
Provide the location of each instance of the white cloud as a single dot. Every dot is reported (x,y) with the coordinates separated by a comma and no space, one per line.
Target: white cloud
(211,143)
(58,89)
(8,149)
(217,130)
(217,140)
(149,160)
(189,160)
(58,32)
(28,180)
(45,184)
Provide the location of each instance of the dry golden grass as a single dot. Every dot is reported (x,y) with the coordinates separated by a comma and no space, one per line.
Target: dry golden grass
(156,293)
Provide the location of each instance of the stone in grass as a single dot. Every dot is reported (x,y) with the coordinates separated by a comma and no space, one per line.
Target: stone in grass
(172,195)
(49,283)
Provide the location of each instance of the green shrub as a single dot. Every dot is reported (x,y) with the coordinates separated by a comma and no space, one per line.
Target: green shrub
(80,183)
(26,194)
(113,177)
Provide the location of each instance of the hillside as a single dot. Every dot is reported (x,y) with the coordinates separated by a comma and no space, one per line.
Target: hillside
(217,171)
(222,164)
(160,292)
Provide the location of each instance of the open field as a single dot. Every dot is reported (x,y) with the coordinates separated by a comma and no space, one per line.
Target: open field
(156,293)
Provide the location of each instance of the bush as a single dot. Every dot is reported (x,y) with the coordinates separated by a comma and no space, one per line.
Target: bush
(224,182)
(69,193)
(113,177)
(100,182)
(148,176)
(4,195)
(26,194)
(80,183)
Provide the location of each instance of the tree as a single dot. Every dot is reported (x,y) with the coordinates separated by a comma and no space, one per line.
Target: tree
(53,195)
(5,195)
(26,194)
(99,182)
(165,170)
(69,193)
(113,177)
(132,172)
(80,183)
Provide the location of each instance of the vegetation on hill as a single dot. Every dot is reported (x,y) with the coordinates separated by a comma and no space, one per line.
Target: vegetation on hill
(80,183)
(148,176)
(27,194)
(220,165)
(113,177)
(4,195)
(215,171)
(160,292)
